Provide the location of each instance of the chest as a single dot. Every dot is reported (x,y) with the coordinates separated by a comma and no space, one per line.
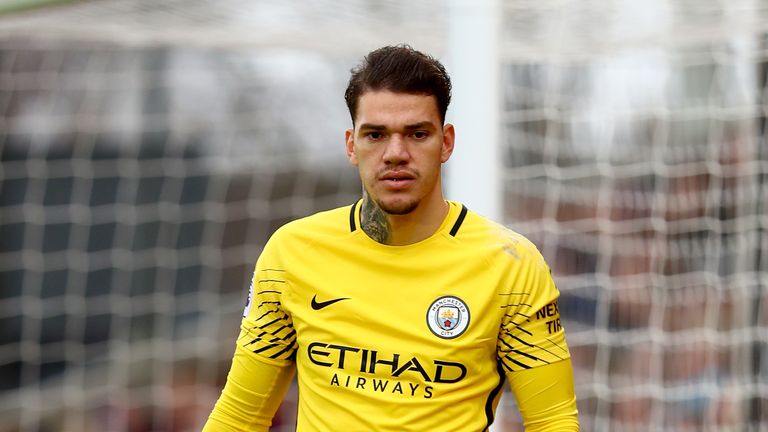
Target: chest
(397,306)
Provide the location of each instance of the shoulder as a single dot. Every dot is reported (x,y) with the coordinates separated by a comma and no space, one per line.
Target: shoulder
(330,223)
(481,232)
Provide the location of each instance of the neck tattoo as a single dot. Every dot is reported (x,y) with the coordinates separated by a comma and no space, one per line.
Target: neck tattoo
(374,222)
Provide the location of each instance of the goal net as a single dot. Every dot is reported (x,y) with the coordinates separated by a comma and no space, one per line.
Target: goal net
(149,149)
(635,156)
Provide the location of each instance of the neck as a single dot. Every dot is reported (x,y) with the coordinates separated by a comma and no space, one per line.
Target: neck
(400,230)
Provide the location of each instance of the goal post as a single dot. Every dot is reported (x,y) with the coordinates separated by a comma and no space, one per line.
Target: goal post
(473,58)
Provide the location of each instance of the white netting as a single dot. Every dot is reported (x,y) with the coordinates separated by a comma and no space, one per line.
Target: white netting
(327,27)
(636,157)
(149,150)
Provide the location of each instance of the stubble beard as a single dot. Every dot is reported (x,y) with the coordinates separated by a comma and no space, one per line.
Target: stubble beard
(398,209)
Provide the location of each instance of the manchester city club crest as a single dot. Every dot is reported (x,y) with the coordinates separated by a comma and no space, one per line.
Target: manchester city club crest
(448,317)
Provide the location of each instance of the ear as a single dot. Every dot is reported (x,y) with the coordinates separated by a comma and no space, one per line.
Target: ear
(449,136)
(349,137)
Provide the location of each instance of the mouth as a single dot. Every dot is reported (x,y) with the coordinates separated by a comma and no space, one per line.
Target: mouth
(400,174)
(397,180)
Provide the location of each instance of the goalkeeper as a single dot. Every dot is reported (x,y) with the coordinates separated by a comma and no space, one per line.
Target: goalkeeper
(402,311)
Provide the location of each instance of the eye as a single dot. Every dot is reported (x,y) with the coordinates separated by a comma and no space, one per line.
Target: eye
(374,136)
(420,135)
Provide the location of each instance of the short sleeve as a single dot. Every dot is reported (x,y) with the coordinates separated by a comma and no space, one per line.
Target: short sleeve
(531,333)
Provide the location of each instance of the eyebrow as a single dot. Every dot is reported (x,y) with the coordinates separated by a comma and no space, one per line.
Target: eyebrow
(419,125)
(369,126)
(410,127)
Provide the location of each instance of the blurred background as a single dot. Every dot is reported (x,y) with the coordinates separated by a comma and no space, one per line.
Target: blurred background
(150,148)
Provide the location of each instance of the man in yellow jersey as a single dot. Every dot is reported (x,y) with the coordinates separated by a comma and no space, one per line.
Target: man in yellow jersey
(403,311)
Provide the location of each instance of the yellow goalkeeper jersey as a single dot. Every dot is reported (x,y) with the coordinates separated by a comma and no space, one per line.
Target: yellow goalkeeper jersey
(415,337)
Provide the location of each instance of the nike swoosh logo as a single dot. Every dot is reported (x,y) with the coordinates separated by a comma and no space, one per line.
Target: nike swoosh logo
(316,305)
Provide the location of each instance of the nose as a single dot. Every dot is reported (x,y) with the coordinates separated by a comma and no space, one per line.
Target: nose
(396,151)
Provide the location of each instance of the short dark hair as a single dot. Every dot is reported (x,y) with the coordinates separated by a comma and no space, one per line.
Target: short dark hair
(400,69)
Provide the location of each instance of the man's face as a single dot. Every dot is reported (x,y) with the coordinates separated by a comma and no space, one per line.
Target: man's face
(398,145)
